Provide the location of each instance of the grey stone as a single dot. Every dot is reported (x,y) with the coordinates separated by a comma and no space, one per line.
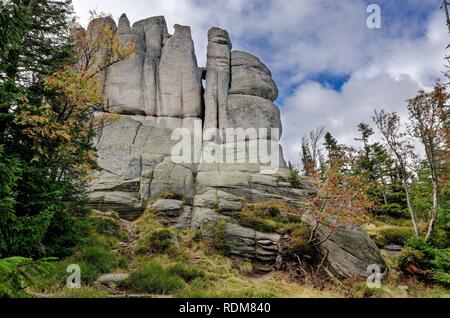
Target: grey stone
(168,208)
(123,91)
(125,204)
(157,90)
(114,146)
(183,221)
(245,241)
(224,179)
(218,69)
(112,278)
(251,77)
(202,218)
(246,112)
(154,33)
(394,248)
(170,176)
(94,33)
(180,82)
(349,250)
(218,200)
(240,58)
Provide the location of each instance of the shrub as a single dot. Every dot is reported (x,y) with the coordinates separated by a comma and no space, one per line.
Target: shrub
(300,240)
(220,237)
(161,241)
(428,258)
(294,176)
(186,272)
(441,264)
(363,291)
(270,217)
(153,278)
(64,234)
(268,211)
(108,227)
(257,223)
(394,210)
(395,235)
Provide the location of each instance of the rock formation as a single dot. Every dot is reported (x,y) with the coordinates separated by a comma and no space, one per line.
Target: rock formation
(158,90)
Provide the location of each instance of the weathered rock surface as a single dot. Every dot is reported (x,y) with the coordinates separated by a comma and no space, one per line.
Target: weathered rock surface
(159,89)
(108,279)
(218,200)
(153,32)
(218,75)
(245,111)
(123,90)
(251,77)
(94,32)
(170,176)
(179,77)
(168,207)
(349,250)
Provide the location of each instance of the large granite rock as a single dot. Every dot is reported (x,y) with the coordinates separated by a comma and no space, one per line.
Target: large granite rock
(157,90)
(179,76)
(218,76)
(171,176)
(348,251)
(240,241)
(251,77)
(245,111)
(95,32)
(123,91)
(154,33)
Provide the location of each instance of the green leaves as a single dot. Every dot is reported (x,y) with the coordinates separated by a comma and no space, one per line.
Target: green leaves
(18,273)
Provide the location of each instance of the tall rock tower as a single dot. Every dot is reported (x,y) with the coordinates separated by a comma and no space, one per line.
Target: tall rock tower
(229,129)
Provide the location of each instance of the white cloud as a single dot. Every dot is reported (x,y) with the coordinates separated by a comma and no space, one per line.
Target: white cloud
(398,70)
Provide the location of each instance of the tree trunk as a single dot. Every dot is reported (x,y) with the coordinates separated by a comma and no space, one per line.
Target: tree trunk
(434,211)
(408,201)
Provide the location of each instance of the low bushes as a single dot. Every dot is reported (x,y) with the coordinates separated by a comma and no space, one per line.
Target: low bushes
(97,258)
(431,261)
(394,235)
(152,278)
(186,272)
(270,217)
(160,241)
(106,226)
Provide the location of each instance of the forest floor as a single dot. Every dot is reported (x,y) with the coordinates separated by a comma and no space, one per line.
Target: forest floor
(191,268)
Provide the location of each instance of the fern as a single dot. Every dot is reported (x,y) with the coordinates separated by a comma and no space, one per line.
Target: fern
(18,273)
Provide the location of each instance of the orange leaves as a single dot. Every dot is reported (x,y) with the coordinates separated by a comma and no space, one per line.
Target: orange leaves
(342,195)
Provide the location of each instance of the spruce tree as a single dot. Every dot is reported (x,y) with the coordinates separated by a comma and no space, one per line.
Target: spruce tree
(36,43)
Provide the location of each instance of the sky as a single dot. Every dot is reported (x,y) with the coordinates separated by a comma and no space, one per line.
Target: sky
(331,69)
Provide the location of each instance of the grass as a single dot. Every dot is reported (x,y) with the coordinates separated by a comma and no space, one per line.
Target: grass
(97,259)
(187,272)
(385,234)
(172,195)
(160,241)
(395,235)
(270,217)
(152,278)
(176,263)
